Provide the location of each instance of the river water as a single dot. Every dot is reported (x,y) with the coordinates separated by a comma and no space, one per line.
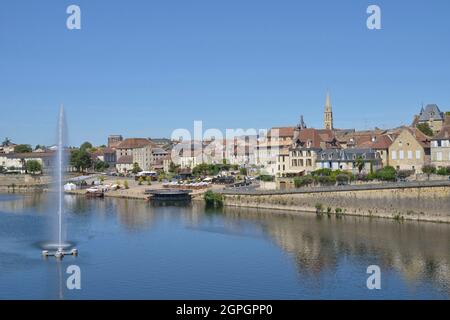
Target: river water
(129,249)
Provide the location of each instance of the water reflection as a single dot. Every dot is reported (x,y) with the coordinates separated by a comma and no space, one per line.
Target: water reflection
(418,252)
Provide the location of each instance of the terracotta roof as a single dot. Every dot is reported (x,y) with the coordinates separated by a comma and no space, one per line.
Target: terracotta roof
(374,142)
(423,139)
(315,138)
(125,160)
(443,134)
(133,143)
(281,132)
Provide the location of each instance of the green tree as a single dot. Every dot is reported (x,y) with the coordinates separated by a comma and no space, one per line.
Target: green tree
(360,163)
(80,159)
(86,146)
(303,181)
(149,181)
(23,148)
(2,169)
(140,181)
(425,129)
(33,166)
(136,169)
(388,173)
(429,169)
(100,166)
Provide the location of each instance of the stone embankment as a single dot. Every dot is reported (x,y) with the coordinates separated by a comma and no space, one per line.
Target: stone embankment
(423,201)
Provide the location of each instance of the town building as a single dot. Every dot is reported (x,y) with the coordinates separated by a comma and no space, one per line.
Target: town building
(241,150)
(349,160)
(410,150)
(277,141)
(139,149)
(188,154)
(125,164)
(377,140)
(17,161)
(302,155)
(114,140)
(7,146)
(431,115)
(107,155)
(440,148)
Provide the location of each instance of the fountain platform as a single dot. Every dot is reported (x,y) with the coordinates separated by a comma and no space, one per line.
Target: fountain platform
(60,253)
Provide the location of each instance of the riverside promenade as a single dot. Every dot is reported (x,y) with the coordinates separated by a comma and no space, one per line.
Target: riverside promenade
(343,188)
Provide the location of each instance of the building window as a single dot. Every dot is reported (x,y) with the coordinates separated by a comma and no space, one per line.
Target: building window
(410,154)
(401,154)
(439,156)
(418,154)
(394,155)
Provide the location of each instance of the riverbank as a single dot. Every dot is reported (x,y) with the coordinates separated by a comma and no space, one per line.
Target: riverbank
(407,201)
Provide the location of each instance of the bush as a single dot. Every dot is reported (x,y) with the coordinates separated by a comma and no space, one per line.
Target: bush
(213,199)
(429,169)
(303,181)
(443,171)
(425,129)
(125,184)
(149,180)
(388,173)
(140,181)
(266,178)
(326,180)
(343,178)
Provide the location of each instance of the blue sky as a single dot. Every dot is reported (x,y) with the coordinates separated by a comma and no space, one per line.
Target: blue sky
(144,68)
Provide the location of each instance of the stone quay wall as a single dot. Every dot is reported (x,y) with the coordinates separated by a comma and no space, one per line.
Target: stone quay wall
(424,201)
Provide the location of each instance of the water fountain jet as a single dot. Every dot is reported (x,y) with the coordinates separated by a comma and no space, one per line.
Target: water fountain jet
(59,253)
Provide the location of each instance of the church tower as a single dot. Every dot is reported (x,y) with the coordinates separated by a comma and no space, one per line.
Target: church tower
(328,114)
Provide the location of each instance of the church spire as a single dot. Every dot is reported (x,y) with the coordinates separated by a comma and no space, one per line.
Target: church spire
(328,103)
(328,114)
